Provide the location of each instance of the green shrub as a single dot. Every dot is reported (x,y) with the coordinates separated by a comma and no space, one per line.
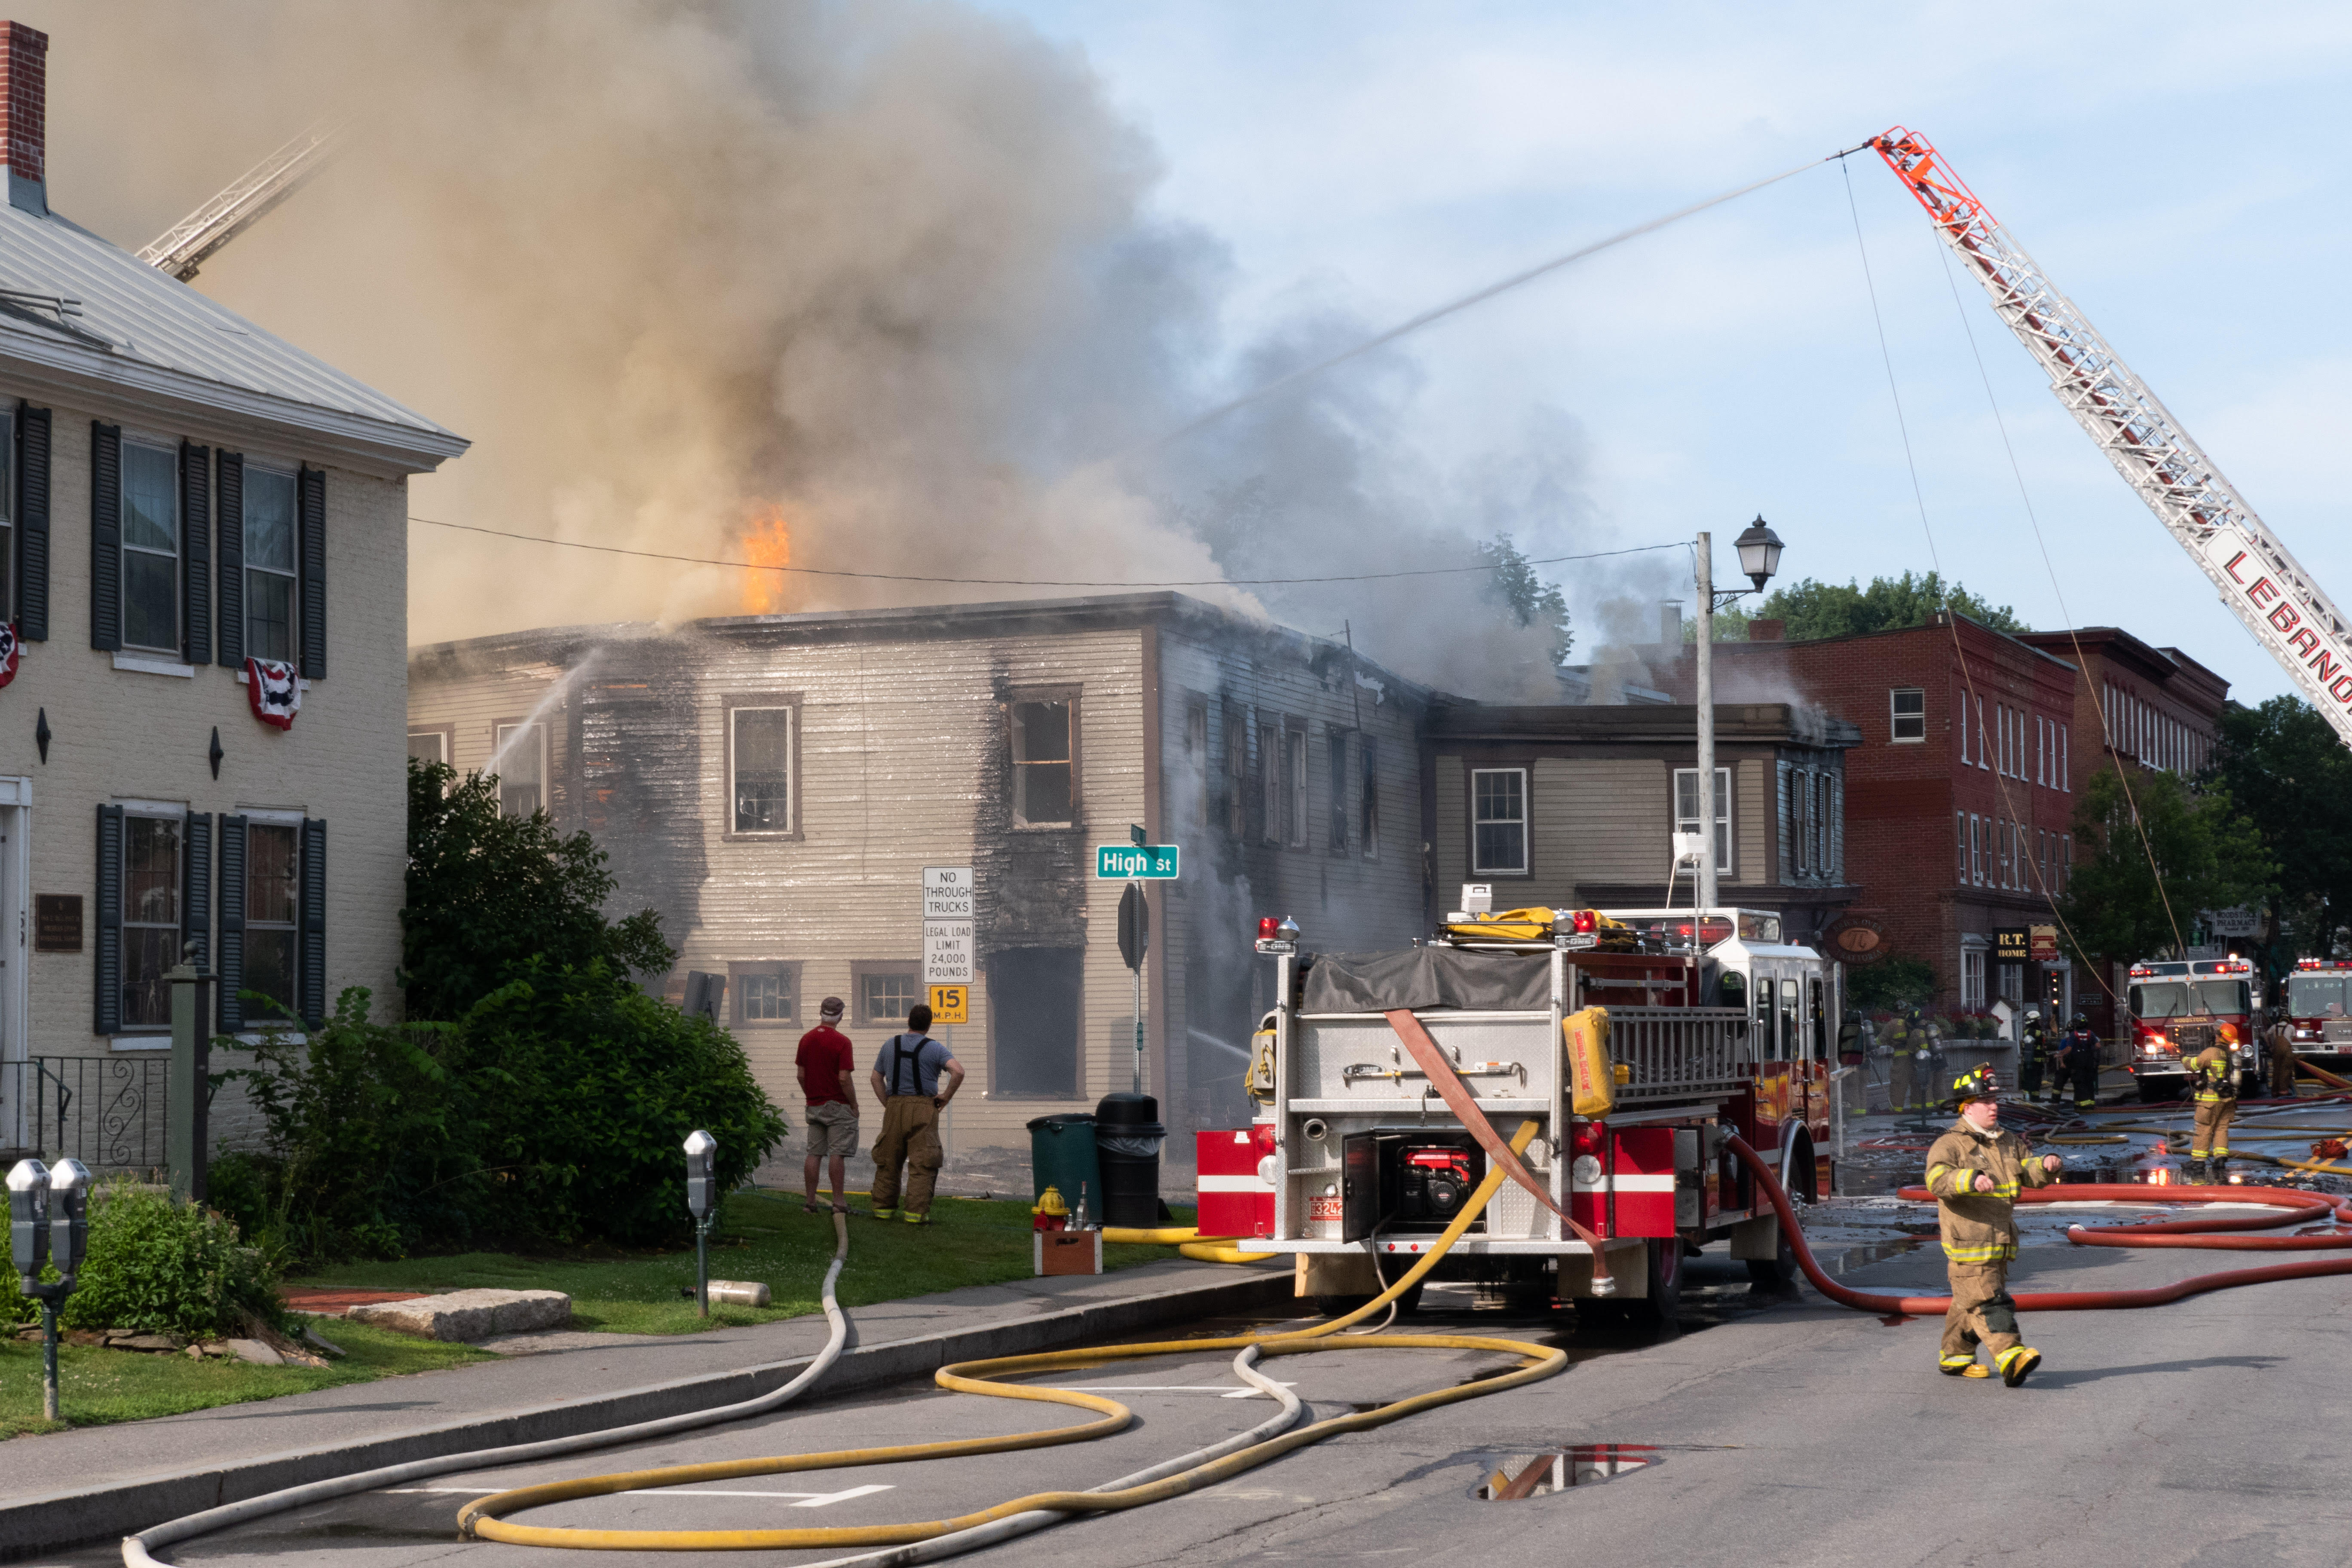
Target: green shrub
(161,1266)
(1895,981)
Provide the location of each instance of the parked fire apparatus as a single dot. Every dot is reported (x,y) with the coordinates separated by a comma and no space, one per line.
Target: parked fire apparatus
(2178,1009)
(1714,1026)
(2318,1008)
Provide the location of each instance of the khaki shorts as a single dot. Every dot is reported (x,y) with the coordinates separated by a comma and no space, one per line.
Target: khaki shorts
(831,1129)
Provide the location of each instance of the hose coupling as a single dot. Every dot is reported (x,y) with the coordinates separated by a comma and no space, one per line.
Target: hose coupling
(1606,1285)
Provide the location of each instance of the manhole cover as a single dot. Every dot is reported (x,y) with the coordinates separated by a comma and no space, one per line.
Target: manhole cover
(1525,1476)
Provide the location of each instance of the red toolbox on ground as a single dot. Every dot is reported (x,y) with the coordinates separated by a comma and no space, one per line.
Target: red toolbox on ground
(1237,1181)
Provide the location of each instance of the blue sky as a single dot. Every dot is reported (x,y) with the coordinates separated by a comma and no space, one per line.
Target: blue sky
(2173,167)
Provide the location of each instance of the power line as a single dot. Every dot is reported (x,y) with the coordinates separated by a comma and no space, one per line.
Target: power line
(1035,581)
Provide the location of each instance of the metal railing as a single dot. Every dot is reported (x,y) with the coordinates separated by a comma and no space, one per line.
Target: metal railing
(106,1111)
(1674,1053)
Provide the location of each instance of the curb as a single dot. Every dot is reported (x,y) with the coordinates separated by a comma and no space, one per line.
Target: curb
(60,1520)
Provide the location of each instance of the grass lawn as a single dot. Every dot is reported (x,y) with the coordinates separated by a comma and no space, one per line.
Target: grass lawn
(760,1236)
(96,1387)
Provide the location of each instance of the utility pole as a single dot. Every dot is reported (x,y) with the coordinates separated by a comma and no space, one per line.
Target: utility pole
(1706,695)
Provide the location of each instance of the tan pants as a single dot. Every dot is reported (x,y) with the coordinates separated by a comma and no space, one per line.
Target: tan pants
(2212,1127)
(911,1133)
(1898,1081)
(1980,1309)
(2282,1074)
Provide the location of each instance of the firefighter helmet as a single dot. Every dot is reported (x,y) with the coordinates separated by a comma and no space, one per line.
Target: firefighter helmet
(1977,1083)
(2078,1022)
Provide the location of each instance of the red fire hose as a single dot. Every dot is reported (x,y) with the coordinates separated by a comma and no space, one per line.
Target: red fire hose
(2302,1207)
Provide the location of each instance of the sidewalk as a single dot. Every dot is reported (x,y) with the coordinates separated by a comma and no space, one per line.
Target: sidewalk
(102,1481)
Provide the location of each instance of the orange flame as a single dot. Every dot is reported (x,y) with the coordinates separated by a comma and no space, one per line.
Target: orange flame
(767,542)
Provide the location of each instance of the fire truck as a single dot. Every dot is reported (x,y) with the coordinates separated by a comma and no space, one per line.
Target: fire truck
(1713,1025)
(2178,1008)
(2318,1011)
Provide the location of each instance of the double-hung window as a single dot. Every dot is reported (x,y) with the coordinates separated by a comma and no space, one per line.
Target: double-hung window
(761,765)
(1687,812)
(151,548)
(1045,763)
(150,918)
(270,566)
(1907,714)
(1498,821)
(520,761)
(272,903)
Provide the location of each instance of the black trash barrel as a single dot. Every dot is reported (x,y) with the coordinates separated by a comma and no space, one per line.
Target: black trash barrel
(1062,1155)
(1127,1135)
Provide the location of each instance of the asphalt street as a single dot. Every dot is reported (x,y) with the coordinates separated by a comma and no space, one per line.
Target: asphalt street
(1793,1432)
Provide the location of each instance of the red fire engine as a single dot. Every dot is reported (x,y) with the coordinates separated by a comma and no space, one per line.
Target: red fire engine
(2178,1008)
(2318,1009)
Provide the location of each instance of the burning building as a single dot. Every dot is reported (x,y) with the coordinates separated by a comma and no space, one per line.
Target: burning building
(775,784)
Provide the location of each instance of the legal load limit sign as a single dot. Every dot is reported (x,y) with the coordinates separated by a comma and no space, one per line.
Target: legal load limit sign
(1138,863)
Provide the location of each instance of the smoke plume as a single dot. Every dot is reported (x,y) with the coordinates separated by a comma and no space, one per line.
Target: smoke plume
(871,287)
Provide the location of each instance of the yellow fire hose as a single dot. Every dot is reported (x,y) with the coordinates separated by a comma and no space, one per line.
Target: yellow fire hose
(486,1518)
(1188,1241)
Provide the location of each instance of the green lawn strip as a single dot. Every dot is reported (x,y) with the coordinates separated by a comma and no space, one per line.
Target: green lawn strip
(761,1237)
(97,1387)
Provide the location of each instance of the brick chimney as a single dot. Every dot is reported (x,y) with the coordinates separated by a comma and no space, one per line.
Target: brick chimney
(23,96)
(1761,630)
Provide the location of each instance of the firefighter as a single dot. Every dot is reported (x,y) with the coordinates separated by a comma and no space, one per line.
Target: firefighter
(1912,1045)
(2082,1062)
(1975,1171)
(2216,1082)
(2030,1045)
(2280,1038)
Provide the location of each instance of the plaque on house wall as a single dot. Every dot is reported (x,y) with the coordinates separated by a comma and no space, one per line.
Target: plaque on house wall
(57,923)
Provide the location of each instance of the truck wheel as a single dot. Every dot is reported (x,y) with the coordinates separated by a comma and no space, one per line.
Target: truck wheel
(1662,1263)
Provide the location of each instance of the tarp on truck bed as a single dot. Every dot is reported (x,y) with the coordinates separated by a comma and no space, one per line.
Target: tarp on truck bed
(1419,977)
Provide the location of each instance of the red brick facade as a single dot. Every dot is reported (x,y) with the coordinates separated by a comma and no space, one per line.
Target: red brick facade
(23,92)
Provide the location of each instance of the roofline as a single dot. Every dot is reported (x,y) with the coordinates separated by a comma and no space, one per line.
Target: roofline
(2162,661)
(72,372)
(917,623)
(1898,631)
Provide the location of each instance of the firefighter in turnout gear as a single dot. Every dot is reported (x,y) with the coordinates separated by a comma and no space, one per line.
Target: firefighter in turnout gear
(2280,1038)
(1909,1082)
(1975,1171)
(2082,1065)
(2031,1045)
(2215,1081)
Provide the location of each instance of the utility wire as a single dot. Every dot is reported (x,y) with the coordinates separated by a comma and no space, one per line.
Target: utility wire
(1037,581)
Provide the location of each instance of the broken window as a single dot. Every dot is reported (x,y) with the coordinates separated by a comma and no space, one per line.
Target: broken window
(1034,996)
(519,762)
(1044,774)
(1498,818)
(760,757)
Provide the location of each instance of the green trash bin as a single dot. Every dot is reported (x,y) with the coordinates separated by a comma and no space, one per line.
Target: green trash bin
(1061,1154)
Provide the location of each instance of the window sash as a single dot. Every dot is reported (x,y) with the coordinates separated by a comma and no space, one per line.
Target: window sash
(1498,821)
(1337,772)
(759,746)
(522,771)
(1687,812)
(766,996)
(1369,802)
(151,918)
(886,997)
(1045,758)
(1907,715)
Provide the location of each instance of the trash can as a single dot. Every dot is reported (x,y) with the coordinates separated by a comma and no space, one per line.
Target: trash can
(1061,1154)
(1127,1135)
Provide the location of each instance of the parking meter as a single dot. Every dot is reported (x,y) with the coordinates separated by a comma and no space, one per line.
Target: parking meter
(699,1147)
(69,1217)
(28,1220)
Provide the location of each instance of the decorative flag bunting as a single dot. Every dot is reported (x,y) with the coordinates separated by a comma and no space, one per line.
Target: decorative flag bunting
(273,688)
(10,649)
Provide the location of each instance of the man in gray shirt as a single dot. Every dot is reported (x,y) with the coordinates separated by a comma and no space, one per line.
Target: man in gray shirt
(907,1082)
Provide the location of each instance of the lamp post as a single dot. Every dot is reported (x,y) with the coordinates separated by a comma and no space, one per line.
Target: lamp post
(1760,558)
(699,1147)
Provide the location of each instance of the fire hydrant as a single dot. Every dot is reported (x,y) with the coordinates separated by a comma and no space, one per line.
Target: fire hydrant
(1051,1212)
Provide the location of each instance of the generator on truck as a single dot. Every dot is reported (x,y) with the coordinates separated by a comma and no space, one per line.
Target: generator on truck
(1636,1040)
(2176,1008)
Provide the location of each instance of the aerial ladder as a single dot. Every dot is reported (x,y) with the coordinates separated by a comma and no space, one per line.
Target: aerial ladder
(188,244)
(2260,582)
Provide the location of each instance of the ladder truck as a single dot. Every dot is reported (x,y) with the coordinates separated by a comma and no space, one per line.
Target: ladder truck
(2264,586)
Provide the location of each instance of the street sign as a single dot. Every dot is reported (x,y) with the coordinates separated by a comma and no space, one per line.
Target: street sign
(2238,921)
(2044,941)
(2009,944)
(950,1004)
(947,893)
(947,952)
(1126,862)
(1134,926)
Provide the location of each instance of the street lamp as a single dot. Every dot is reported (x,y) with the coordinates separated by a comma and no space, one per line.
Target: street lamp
(1760,557)
(700,1148)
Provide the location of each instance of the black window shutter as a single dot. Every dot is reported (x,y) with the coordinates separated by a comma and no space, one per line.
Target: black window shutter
(196,884)
(314,573)
(33,524)
(196,552)
(105,535)
(231,630)
(110,920)
(313,979)
(231,966)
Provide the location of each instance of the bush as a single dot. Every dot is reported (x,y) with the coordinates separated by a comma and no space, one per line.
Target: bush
(1894,982)
(165,1268)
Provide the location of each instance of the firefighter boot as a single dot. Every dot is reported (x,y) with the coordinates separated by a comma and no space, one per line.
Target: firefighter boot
(2017,1363)
(1963,1366)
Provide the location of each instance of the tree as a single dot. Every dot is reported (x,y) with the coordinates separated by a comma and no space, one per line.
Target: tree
(2206,855)
(1531,600)
(2288,772)
(1814,610)
(1895,982)
(487,893)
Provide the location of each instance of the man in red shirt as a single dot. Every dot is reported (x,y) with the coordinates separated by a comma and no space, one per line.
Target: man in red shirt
(827,1065)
